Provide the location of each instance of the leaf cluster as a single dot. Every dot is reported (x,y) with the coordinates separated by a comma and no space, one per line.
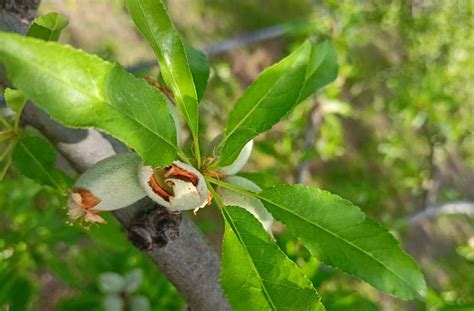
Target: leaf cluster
(81,90)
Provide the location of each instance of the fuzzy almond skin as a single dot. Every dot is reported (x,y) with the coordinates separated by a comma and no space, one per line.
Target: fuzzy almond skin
(186,195)
(251,204)
(113,181)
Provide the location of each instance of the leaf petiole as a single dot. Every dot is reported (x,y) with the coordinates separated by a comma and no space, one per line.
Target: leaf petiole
(4,169)
(184,157)
(197,151)
(7,150)
(215,196)
(234,188)
(5,135)
(5,122)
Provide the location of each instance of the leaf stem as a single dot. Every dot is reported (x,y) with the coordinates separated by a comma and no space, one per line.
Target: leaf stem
(8,150)
(227,217)
(4,169)
(215,196)
(184,157)
(197,151)
(4,135)
(5,122)
(234,188)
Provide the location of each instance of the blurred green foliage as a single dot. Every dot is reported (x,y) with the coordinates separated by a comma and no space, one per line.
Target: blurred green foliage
(394,135)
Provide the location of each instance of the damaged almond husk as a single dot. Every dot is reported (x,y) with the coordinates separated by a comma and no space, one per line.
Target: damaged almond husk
(178,187)
(109,185)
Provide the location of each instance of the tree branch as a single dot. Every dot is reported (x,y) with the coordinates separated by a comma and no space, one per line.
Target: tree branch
(459,207)
(221,47)
(176,245)
(187,259)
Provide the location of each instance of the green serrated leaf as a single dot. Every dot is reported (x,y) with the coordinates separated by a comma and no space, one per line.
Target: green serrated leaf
(82,90)
(275,93)
(262,179)
(48,27)
(35,158)
(153,21)
(270,97)
(338,233)
(322,69)
(199,66)
(256,274)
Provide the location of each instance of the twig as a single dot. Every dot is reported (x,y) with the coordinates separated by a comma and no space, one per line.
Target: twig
(227,45)
(458,207)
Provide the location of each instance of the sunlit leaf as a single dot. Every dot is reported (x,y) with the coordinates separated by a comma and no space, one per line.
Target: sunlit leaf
(275,93)
(270,97)
(322,69)
(48,27)
(199,66)
(81,90)
(256,274)
(153,21)
(338,233)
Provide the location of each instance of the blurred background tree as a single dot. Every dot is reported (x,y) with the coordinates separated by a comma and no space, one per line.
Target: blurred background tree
(393,134)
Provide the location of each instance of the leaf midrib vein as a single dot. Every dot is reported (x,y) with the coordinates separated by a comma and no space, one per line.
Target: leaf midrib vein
(342,239)
(249,193)
(237,233)
(40,165)
(99,98)
(176,89)
(253,108)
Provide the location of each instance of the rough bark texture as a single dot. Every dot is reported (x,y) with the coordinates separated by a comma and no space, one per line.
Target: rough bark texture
(172,241)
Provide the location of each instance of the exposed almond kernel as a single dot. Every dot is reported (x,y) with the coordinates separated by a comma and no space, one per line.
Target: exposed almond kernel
(180,173)
(157,188)
(184,185)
